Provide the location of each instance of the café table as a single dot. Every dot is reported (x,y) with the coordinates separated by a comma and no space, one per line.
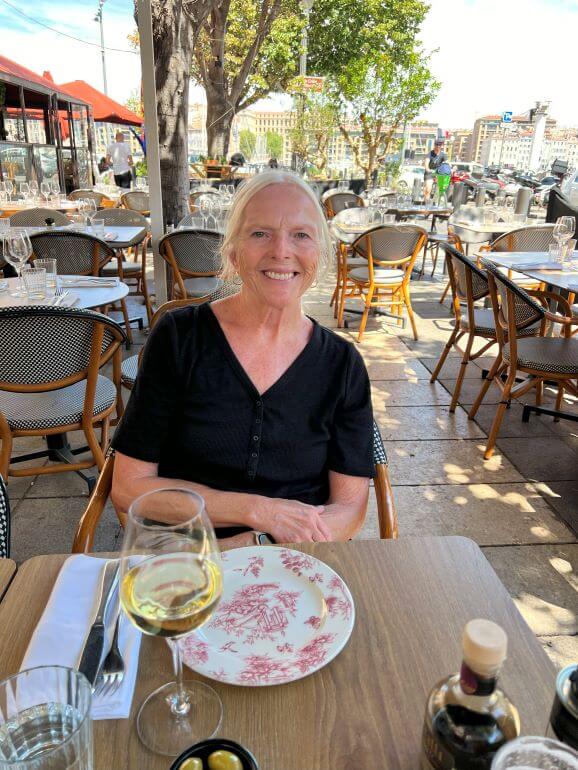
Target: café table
(364,710)
(88,296)
(7,570)
(117,237)
(65,207)
(564,276)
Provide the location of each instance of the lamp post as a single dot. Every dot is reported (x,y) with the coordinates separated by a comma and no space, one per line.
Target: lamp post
(306,5)
(98,17)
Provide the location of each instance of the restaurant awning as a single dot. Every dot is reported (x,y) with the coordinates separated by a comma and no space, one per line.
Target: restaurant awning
(104,109)
(12,72)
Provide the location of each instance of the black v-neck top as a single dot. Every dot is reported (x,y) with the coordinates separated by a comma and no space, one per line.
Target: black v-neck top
(196,413)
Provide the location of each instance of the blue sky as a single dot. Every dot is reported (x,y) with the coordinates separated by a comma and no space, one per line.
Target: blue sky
(493,55)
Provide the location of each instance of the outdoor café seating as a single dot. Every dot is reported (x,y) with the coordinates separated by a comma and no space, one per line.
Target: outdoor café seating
(36,217)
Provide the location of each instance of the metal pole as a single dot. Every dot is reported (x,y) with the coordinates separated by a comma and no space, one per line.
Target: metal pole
(147,60)
(304,44)
(98,18)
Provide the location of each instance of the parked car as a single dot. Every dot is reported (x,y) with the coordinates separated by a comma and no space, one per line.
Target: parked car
(570,187)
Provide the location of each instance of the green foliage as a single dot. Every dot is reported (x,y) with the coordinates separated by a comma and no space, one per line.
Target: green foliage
(140,168)
(247,143)
(274,144)
(134,103)
(315,127)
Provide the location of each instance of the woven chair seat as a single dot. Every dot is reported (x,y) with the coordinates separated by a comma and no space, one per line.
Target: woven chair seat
(128,370)
(381,275)
(128,268)
(34,411)
(201,287)
(546,354)
(356,262)
(484,324)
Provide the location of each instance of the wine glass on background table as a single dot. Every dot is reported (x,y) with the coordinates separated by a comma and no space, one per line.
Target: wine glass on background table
(55,187)
(171,583)
(45,189)
(564,229)
(17,252)
(34,188)
(9,187)
(24,190)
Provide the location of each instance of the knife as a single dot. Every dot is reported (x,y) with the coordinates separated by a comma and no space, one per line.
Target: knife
(94,644)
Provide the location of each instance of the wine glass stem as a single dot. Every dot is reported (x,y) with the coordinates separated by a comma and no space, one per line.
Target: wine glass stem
(180,705)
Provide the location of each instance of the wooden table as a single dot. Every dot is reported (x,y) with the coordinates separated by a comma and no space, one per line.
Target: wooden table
(365,709)
(7,570)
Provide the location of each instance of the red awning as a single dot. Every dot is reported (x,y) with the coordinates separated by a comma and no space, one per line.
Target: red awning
(23,73)
(104,109)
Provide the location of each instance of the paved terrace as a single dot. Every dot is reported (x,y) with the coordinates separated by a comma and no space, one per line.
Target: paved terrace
(521,507)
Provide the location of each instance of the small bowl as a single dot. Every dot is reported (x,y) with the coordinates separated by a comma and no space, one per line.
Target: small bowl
(204,749)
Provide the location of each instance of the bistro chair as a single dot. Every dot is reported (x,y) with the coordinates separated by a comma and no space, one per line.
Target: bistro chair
(541,358)
(37,218)
(390,252)
(50,358)
(86,528)
(123,268)
(136,200)
(536,238)
(194,260)
(4,521)
(99,198)
(339,201)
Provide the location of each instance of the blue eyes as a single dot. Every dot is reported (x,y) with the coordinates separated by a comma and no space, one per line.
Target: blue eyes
(259,234)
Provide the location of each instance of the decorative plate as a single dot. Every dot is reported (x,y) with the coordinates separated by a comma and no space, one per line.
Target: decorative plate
(283,616)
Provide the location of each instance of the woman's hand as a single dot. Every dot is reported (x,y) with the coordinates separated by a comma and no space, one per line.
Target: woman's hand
(289,521)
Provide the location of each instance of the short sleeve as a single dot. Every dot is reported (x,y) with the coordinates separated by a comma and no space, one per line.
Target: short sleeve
(155,398)
(351,445)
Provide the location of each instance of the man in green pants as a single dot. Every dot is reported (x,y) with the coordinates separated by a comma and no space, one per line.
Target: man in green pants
(438,162)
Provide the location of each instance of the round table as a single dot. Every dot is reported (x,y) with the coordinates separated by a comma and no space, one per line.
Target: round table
(88,296)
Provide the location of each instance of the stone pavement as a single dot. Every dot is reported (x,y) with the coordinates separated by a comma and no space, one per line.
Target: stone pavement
(521,507)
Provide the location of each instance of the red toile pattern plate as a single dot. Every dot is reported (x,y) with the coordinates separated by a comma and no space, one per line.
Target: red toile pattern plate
(283,616)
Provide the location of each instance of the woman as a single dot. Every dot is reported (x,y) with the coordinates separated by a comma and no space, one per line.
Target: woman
(248,401)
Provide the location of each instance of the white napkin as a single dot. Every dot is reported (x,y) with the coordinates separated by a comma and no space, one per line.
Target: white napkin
(537,266)
(110,236)
(59,636)
(88,283)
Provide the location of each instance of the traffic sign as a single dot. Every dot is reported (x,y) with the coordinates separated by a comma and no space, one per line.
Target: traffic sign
(507,117)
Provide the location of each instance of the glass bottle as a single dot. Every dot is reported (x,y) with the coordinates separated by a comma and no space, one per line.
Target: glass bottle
(564,716)
(467,717)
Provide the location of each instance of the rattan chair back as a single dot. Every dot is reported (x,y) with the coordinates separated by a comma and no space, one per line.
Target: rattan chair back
(122,218)
(335,203)
(386,513)
(390,245)
(469,283)
(75,253)
(136,200)
(85,195)
(37,218)
(525,239)
(4,521)
(45,348)
(194,252)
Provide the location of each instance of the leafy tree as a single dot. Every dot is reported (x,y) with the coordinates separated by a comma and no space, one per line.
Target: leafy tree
(247,143)
(379,99)
(275,144)
(134,103)
(316,124)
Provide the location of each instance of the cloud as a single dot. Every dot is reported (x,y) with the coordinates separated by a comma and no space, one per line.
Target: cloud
(497,55)
(40,49)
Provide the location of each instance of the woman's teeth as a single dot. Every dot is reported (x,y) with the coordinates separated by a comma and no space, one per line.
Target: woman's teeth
(279,276)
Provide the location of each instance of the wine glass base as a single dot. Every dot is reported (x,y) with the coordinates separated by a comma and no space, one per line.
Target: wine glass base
(164,732)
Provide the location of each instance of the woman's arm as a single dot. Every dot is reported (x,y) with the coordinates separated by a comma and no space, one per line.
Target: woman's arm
(288,521)
(345,510)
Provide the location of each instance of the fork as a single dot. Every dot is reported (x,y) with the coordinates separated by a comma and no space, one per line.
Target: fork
(59,295)
(112,672)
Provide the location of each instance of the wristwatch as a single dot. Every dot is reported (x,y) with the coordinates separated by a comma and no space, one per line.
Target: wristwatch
(262,538)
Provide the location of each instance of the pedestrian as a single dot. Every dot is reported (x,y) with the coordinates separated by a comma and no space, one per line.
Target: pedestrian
(438,162)
(118,153)
(273,163)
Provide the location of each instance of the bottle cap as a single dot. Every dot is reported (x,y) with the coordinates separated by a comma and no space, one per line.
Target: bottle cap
(484,646)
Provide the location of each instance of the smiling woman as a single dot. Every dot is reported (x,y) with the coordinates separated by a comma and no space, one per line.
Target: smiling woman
(248,401)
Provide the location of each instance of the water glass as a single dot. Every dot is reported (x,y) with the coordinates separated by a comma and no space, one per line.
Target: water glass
(34,282)
(98,228)
(45,720)
(570,249)
(554,253)
(50,266)
(388,219)
(535,753)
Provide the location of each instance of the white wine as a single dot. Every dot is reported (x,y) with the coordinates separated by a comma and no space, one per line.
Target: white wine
(171,594)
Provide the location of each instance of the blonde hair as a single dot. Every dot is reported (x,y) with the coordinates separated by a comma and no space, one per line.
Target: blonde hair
(245,193)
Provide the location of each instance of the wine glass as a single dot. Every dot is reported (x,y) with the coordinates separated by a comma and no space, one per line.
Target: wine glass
(564,230)
(34,189)
(205,206)
(55,186)
(171,582)
(17,251)
(45,189)
(231,190)
(9,187)
(24,190)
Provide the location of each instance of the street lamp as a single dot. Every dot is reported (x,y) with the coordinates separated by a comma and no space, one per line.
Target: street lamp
(98,17)
(307,5)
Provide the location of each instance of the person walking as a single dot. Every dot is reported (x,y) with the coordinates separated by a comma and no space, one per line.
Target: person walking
(438,162)
(118,153)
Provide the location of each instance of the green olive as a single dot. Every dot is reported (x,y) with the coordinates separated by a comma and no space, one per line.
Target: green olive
(224,760)
(192,763)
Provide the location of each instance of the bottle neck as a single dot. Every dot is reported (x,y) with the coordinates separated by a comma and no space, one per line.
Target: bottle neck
(474,684)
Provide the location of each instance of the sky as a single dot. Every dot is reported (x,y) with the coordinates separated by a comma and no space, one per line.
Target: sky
(490,55)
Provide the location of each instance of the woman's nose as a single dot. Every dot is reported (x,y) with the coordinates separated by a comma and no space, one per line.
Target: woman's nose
(282,247)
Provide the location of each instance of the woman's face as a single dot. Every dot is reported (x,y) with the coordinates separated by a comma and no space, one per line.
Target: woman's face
(278,246)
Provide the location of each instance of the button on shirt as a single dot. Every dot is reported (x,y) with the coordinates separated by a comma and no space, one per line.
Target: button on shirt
(196,413)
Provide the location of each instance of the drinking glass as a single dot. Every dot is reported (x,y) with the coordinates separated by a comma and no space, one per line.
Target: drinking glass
(554,253)
(45,720)
(17,251)
(535,753)
(205,206)
(34,281)
(171,582)
(34,188)
(45,189)
(50,266)
(25,190)
(55,187)
(98,227)
(564,230)
(231,189)
(9,187)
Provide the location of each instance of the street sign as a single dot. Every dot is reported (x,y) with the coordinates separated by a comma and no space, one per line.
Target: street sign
(313,83)
(507,117)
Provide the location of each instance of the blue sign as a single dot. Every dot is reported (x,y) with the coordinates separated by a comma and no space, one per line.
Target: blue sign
(507,117)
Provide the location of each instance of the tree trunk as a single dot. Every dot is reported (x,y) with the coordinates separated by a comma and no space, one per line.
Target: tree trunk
(174,36)
(219,123)
(220,110)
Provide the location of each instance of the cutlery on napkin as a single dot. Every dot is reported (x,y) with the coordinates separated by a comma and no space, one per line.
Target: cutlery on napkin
(89,282)
(59,636)
(92,653)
